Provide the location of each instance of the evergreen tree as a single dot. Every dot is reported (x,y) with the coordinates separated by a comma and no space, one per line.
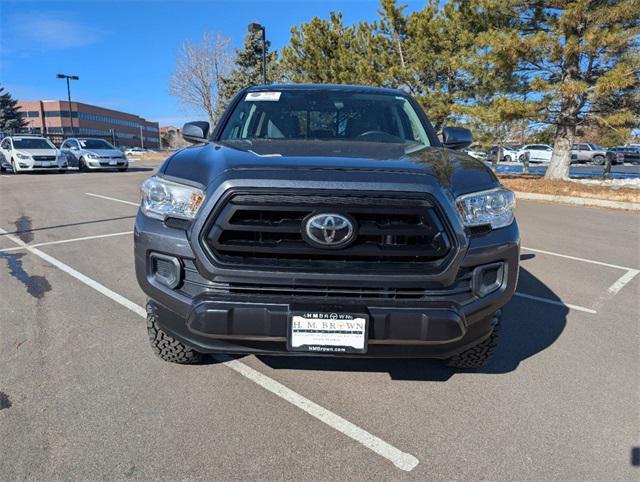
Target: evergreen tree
(247,69)
(327,51)
(575,56)
(9,113)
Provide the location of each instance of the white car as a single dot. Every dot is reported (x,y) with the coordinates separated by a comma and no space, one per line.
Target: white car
(135,151)
(475,154)
(88,154)
(537,152)
(30,153)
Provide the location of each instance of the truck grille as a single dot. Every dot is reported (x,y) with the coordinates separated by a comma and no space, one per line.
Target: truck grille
(267,230)
(195,285)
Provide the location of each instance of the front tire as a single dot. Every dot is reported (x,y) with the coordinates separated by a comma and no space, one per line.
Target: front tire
(167,347)
(598,160)
(507,158)
(477,356)
(82,167)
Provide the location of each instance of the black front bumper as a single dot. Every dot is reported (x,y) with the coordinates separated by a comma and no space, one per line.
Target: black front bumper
(433,326)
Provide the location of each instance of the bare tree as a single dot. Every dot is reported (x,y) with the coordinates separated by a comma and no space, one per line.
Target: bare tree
(198,73)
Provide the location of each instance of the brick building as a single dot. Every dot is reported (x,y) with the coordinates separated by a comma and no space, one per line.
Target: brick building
(52,117)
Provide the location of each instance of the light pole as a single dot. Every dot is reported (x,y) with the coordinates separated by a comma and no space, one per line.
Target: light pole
(69,77)
(255,28)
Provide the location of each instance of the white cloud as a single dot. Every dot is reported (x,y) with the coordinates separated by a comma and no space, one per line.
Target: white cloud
(36,31)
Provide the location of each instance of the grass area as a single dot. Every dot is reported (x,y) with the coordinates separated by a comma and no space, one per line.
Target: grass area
(537,184)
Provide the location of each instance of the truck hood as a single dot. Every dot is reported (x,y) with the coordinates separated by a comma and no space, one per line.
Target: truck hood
(453,170)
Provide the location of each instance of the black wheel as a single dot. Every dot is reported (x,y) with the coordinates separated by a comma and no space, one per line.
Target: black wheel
(82,167)
(13,167)
(598,160)
(167,347)
(507,158)
(522,158)
(477,356)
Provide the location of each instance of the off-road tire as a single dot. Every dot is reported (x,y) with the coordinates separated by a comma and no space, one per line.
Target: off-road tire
(477,356)
(167,347)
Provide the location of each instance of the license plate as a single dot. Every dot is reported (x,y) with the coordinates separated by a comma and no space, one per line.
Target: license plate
(47,164)
(113,163)
(327,332)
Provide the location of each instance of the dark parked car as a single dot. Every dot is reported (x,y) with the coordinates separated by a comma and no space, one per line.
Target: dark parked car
(329,221)
(621,154)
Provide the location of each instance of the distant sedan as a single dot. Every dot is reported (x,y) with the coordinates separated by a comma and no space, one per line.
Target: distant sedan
(89,154)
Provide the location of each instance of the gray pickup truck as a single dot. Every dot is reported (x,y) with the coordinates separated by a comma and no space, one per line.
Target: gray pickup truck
(325,220)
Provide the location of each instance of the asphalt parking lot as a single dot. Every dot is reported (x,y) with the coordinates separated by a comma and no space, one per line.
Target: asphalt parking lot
(83,396)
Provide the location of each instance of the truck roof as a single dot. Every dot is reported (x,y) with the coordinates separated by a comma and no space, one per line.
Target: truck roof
(342,87)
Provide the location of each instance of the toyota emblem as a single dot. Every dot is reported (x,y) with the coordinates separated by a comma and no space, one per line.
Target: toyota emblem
(329,230)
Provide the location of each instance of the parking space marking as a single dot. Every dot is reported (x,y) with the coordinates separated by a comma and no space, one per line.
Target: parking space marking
(556,302)
(615,287)
(622,281)
(112,199)
(404,461)
(63,241)
(575,258)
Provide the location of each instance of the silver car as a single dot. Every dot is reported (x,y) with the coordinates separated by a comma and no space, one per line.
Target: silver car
(90,154)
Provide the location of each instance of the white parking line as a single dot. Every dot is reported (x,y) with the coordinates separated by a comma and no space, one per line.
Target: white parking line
(555,302)
(575,258)
(615,287)
(112,199)
(402,460)
(63,241)
(622,281)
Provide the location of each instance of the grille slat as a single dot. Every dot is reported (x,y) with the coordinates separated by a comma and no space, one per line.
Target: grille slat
(267,230)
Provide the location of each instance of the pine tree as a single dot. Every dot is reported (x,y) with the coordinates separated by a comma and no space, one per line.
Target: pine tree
(573,56)
(9,113)
(247,69)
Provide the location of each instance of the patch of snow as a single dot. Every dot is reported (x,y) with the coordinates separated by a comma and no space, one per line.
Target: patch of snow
(633,183)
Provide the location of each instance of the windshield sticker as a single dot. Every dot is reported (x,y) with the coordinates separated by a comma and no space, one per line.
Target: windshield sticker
(265,96)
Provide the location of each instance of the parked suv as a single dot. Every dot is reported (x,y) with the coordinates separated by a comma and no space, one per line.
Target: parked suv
(509,153)
(90,154)
(22,153)
(536,152)
(588,153)
(328,221)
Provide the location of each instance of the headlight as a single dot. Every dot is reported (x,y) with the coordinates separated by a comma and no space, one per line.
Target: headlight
(161,198)
(20,155)
(91,155)
(494,207)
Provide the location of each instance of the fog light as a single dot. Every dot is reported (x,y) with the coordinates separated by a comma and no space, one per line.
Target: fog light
(22,164)
(487,278)
(165,270)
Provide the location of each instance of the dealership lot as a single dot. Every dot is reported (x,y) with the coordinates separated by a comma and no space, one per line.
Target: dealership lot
(84,397)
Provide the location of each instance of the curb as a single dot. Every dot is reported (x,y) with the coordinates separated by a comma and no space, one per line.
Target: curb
(579,201)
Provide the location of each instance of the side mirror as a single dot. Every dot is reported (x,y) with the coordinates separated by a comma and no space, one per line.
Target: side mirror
(195,132)
(456,137)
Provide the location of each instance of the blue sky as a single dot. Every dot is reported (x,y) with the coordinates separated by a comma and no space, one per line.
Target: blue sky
(124,51)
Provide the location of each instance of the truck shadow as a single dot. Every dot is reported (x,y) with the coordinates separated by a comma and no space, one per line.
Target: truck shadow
(528,328)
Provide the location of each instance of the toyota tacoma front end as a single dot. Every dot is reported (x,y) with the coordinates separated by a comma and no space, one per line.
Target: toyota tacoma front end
(328,221)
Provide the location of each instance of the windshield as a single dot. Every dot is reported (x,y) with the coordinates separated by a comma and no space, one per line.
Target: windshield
(596,147)
(326,115)
(32,143)
(95,144)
